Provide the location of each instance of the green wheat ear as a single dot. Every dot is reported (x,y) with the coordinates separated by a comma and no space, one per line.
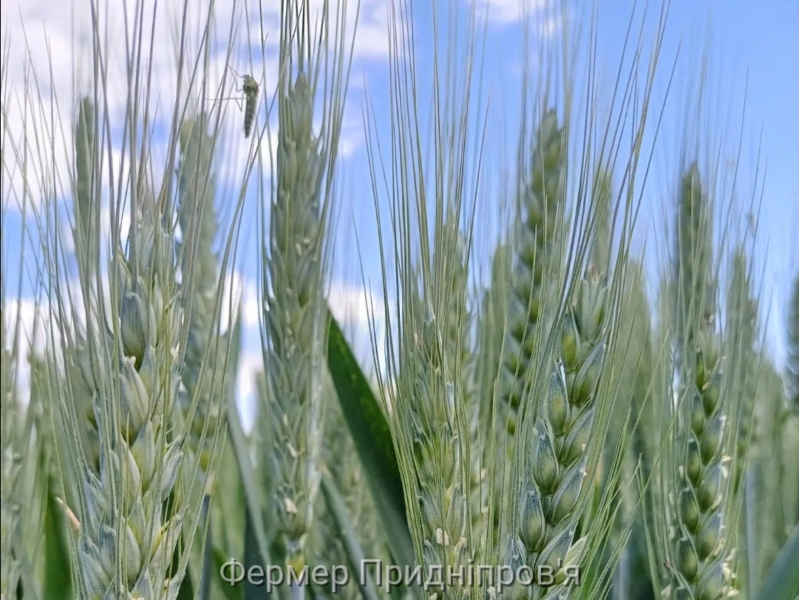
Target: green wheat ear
(698,503)
(556,447)
(536,259)
(294,328)
(206,371)
(534,274)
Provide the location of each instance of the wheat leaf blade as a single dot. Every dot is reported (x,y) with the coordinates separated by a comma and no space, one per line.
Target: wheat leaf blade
(782,582)
(251,556)
(372,438)
(58,583)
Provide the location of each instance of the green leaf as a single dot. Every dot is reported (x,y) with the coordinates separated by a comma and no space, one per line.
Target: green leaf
(371,436)
(251,592)
(347,534)
(231,592)
(186,591)
(58,583)
(205,580)
(782,581)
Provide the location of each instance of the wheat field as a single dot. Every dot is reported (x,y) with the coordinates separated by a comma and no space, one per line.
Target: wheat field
(542,410)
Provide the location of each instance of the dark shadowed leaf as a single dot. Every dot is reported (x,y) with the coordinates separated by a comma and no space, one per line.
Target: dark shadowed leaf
(372,439)
(782,582)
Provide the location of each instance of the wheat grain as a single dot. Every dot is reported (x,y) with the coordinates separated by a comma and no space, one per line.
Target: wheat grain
(86,231)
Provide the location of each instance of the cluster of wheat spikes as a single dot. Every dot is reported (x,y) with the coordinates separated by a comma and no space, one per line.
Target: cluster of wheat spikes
(533,410)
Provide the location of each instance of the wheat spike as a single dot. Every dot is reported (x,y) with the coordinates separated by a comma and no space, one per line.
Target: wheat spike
(294,322)
(131,510)
(536,260)
(438,444)
(741,329)
(453,258)
(701,565)
(553,464)
(700,502)
(205,367)
(534,276)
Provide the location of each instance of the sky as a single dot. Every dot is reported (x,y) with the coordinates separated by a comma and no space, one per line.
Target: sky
(744,53)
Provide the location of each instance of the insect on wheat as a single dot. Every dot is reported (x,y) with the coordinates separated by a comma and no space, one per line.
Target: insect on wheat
(250,89)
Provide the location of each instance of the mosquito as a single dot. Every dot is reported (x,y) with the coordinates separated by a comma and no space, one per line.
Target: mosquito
(250,89)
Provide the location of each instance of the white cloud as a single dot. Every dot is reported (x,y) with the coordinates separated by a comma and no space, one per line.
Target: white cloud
(250,305)
(49,64)
(501,12)
(22,321)
(250,364)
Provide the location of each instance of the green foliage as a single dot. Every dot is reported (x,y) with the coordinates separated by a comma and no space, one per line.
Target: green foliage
(782,582)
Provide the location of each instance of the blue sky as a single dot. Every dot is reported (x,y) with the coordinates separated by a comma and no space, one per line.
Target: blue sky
(749,99)
(751,49)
